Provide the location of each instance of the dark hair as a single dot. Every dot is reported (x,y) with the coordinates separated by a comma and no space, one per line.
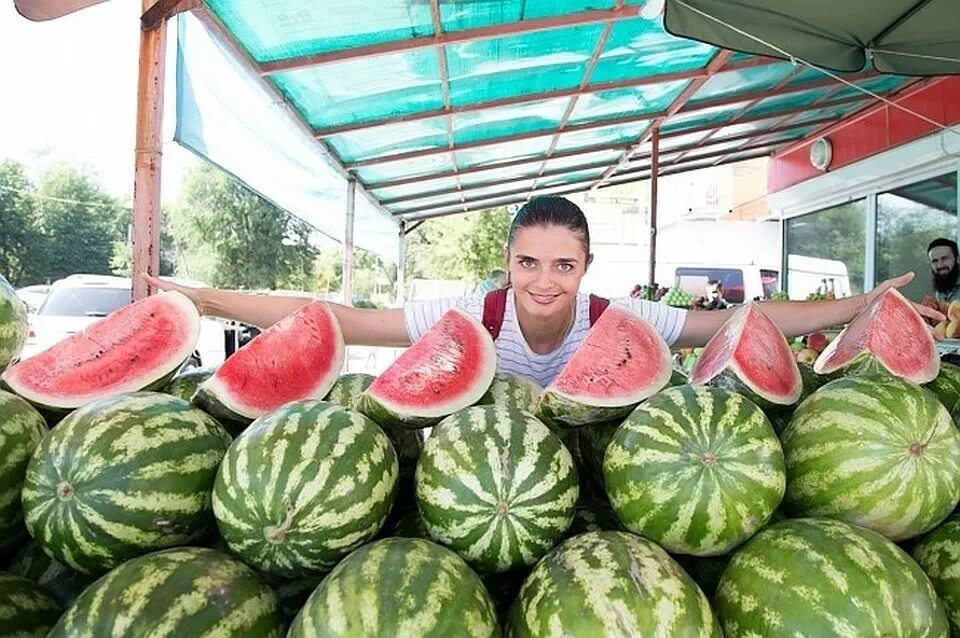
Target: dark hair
(943,241)
(551,211)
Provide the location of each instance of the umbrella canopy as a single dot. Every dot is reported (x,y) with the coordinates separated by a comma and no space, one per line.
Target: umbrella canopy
(907,37)
(50,9)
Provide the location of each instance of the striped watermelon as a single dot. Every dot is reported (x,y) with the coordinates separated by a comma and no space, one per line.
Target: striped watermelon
(347,389)
(512,391)
(496,486)
(292,593)
(26,610)
(60,581)
(622,361)
(398,587)
(818,577)
(182,592)
(303,486)
(410,525)
(750,355)
(13,324)
(697,470)
(876,451)
(447,369)
(21,428)
(890,336)
(121,477)
(594,440)
(947,388)
(938,553)
(704,570)
(297,358)
(185,384)
(593,515)
(610,584)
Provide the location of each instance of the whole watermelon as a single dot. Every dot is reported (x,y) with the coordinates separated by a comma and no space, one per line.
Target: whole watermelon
(121,477)
(185,384)
(303,486)
(347,389)
(181,592)
(594,440)
(947,388)
(398,587)
(610,584)
(13,323)
(697,470)
(21,428)
(820,577)
(877,451)
(496,486)
(938,554)
(26,610)
(514,392)
(60,581)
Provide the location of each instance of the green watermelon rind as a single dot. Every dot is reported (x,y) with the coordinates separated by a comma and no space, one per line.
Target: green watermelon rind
(716,447)
(111,481)
(610,584)
(573,413)
(143,595)
(148,380)
(947,388)
(13,324)
(936,553)
(513,391)
(209,403)
(876,451)
(21,430)
(26,609)
(820,577)
(533,487)
(348,388)
(185,384)
(404,587)
(60,581)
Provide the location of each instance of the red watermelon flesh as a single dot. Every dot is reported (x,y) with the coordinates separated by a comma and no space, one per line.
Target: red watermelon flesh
(129,350)
(622,361)
(755,350)
(447,369)
(893,333)
(297,358)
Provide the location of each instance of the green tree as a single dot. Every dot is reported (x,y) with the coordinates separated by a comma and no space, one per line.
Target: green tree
(230,237)
(20,236)
(463,247)
(79,222)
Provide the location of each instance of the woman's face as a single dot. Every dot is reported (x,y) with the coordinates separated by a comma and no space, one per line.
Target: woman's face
(546,266)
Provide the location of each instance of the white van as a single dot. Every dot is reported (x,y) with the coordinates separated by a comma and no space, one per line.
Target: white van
(77,301)
(741,282)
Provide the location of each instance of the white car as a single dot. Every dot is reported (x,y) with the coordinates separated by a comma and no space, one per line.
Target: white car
(33,296)
(77,301)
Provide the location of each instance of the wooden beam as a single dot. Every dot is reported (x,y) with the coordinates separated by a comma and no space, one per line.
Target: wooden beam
(148,157)
(162,10)
(346,286)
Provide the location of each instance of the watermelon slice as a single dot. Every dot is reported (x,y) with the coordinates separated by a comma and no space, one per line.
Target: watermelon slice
(622,361)
(447,369)
(749,349)
(297,358)
(890,335)
(139,346)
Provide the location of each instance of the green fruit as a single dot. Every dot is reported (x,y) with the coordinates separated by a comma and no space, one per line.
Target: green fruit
(875,451)
(347,389)
(21,428)
(937,554)
(185,384)
(513,392)
(947,388)
(121,477)
(818,577)
(303,486)
(398,587)
(60,581)
(26,610)
(697,470)
(183,592)
(496,486)
(610,584)
(13,324)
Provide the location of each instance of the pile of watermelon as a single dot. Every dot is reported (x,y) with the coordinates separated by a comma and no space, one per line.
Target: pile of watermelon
(276,496)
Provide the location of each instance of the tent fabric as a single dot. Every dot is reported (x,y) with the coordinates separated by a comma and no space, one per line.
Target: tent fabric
(227,120)
(907,37)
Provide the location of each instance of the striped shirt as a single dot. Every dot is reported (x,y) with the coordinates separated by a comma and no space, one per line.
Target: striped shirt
(514,355)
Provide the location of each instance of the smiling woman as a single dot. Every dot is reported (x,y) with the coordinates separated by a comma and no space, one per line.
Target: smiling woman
(541,318)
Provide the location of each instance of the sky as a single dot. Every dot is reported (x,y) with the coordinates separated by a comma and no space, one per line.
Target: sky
(70,94)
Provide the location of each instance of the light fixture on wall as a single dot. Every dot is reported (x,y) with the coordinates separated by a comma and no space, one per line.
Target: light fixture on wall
(821,153)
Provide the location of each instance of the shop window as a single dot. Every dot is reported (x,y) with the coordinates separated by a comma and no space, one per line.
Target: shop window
(826,251)
(908,219)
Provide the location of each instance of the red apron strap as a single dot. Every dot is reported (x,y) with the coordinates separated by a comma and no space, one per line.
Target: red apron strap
(597,306)
(494,307)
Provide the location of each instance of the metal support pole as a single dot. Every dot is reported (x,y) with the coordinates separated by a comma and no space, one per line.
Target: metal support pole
(148,155)
(870,250)
(654,177)
(402,266)
(347,288)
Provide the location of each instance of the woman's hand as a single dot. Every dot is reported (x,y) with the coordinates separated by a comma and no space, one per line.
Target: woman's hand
(190,292)
(900,282)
